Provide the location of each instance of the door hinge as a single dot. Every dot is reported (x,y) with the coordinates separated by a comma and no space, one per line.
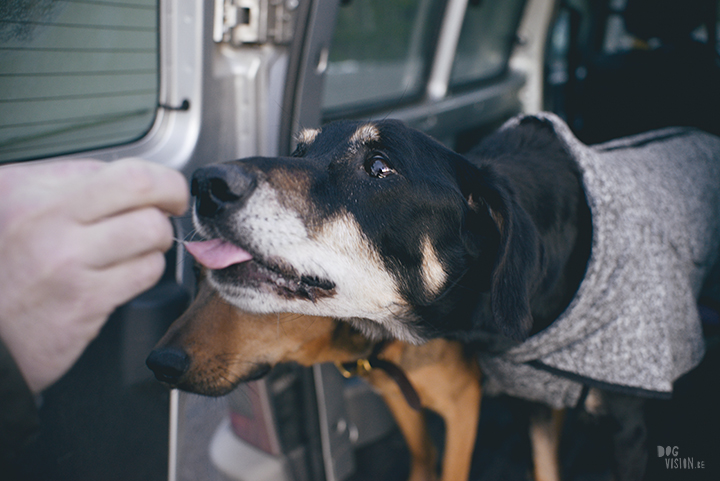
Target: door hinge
(239,22)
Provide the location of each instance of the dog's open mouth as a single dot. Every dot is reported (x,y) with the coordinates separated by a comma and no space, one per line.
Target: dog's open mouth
(238,267)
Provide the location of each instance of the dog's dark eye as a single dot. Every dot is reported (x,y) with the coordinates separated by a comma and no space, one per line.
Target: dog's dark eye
(377,166)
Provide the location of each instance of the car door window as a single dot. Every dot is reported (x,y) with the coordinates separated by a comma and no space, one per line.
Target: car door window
(486,39)
(380,54)
(76,75)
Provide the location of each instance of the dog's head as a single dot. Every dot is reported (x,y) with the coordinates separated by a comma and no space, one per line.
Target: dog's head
(214,346)
(373,223)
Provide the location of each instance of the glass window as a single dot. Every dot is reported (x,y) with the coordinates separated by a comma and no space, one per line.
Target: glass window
(380,53)
(76,74)
(486,40)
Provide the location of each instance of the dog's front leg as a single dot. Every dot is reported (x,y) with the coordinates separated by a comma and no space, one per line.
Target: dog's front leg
(461,425)
(448,383)
(451,388)
(545,428)
(412,424)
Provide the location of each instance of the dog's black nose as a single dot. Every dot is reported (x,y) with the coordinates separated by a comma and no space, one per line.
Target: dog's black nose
(168,364)
(216,186)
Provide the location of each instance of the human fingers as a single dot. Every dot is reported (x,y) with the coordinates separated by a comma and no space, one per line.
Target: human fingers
(48,340)
(125,236)
(51,170)
(47,323)
(28,188)
(119,283)
(126,185)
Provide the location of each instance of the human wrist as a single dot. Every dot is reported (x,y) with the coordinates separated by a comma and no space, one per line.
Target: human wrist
(19,418)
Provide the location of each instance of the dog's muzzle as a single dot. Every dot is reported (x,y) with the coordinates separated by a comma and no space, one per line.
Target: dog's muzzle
(216,187)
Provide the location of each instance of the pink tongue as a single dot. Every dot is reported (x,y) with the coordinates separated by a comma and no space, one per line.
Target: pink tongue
(216,253)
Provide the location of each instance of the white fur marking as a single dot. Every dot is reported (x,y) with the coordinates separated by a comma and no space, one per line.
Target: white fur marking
(307,136)
(365,134)
(434,275)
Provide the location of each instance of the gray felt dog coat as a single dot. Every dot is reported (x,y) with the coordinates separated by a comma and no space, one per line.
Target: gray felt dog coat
(633,325)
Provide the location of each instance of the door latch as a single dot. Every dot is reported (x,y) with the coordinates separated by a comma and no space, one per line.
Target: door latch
(239,22)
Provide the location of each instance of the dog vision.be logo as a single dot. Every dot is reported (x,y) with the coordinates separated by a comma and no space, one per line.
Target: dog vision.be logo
(674,461)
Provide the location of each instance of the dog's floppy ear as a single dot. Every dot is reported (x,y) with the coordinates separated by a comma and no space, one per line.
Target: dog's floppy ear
(515,267)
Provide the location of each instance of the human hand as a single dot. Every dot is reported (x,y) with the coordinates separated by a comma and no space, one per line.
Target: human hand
(77,239)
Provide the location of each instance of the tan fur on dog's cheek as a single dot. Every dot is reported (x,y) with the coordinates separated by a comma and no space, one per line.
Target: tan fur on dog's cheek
(434,275)
(291,190)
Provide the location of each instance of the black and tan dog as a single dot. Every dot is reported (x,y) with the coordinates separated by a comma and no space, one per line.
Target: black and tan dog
(214,346)
(379,239)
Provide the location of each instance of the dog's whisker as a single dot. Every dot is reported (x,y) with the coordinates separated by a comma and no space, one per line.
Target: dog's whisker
(311,324)
(188,237)
(233,358)
(291,319)
(191,235)
(253,388)
(227,379)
